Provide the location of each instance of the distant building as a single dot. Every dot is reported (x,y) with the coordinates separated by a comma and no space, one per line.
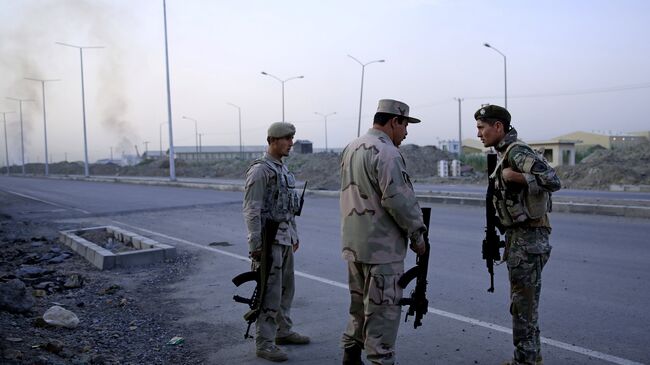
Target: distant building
(154,155)
(302,146)
(473,145)
(213,153)
(448,145)
(587,139)
(558,152)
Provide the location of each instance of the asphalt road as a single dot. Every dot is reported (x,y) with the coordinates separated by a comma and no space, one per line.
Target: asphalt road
(596,286)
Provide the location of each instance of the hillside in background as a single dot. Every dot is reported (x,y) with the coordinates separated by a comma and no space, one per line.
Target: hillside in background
(599,170)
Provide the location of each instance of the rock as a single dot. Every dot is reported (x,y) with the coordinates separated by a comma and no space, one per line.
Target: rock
(53,346)
(15,298)
(14,339)
(59,316)
(27,271)
(58,259)
(110,290)
(43,285)
(39,322)
(73,281)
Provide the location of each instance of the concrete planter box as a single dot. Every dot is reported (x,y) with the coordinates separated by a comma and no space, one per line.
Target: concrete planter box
(144,250)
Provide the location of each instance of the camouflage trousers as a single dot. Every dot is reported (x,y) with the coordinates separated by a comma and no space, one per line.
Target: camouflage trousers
(528,250)
(374,310)
(274,319)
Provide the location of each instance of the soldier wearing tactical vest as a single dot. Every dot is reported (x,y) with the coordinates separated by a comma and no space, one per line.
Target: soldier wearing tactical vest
(523,183)
(379,215)
(270,195)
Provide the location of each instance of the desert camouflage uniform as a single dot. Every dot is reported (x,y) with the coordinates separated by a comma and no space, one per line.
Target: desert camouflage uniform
(270,194)
(379,213)
(527,245)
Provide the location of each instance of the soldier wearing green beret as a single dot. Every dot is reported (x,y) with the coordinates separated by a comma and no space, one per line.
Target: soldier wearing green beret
(270,194)
(523,183)
(379,216)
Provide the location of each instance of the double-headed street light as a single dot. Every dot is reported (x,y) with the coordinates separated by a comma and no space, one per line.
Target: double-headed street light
(282,82)
(22,138)
(42,81)
(196,132)
(325,118)
(241,149)
(363,70)
(83,98)
(505,72)
(4,118)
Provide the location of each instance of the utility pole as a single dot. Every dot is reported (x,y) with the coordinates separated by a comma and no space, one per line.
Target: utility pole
(42,81)
(4,118)
(146,147)
(460,136)
(22,138)
(111,154)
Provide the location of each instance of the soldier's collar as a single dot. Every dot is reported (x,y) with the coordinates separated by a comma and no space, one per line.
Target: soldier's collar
(272,159)
(508,139)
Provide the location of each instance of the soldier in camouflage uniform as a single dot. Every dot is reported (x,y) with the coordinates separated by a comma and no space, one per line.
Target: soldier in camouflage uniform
(379,214)
(523,182)
(270,195)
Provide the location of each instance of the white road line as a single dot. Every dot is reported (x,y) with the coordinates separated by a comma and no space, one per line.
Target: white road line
(458,317)
(47,202)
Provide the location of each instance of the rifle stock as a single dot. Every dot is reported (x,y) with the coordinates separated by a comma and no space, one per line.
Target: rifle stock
(260,276)
(418,302)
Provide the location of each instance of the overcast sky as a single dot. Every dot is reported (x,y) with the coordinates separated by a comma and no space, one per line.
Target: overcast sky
(572,65)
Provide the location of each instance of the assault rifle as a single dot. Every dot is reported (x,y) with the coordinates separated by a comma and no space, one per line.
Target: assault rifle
(492,242)
(260,276)
(418,302)
(302,199)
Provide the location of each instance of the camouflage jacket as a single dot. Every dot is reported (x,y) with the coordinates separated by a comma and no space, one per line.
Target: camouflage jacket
(270,193)
(379,211)
(540,177)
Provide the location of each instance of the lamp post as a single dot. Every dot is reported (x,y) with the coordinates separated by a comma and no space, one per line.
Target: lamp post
(83,99)
(42,81)
(22,139)
(160,137)
(4,118)
(196,132)
(460,141)
(172,164)
(325,118)
(505,72)
(282,82)
(363,70)
(241,149)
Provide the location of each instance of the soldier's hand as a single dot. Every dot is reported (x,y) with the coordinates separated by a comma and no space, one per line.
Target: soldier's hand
(418,246)
(296,246)
(512,176)
(256,255)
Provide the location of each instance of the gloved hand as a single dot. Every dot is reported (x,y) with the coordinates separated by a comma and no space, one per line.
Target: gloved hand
(417,244)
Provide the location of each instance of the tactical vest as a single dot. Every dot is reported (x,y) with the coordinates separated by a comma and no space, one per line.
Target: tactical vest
(517,206)
(281,201)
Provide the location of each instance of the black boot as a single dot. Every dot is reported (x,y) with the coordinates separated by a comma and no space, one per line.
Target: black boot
(352,356)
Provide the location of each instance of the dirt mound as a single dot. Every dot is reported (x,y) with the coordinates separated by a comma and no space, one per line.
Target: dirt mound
(630,165)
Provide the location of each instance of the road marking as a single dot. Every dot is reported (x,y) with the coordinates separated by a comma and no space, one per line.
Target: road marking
(442,313)
(47,202)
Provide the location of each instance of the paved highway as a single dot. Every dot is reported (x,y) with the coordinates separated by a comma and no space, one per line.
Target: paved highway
(596,287)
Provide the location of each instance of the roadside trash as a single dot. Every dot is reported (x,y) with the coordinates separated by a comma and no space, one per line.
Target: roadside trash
(176,340)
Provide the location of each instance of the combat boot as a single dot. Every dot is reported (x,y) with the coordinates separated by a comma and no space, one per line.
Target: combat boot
(272,353)
(293,339)
(352,356)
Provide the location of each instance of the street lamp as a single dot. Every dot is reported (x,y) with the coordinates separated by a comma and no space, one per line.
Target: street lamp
(172,163)
(282,82)
(196,132)
(363,70)
(42,81)
(241,149)
(460,141)
(4,118)
(325,118)
(505,72)
(160,137)
(83,99)
(22,139)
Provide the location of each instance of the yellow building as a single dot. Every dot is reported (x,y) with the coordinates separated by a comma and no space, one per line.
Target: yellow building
(587,139)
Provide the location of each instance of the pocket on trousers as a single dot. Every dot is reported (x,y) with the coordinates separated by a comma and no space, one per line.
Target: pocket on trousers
(384,290)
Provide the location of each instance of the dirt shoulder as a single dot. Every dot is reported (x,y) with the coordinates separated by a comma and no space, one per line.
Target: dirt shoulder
(119,311)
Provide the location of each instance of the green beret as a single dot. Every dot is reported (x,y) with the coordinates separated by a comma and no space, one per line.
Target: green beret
(281,130)
(493,112)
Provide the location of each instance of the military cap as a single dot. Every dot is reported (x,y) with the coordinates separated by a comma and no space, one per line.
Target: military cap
(281,130)
(493,112)
(395,107)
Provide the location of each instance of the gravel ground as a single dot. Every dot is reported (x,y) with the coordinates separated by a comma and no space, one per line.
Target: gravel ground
(125,315)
